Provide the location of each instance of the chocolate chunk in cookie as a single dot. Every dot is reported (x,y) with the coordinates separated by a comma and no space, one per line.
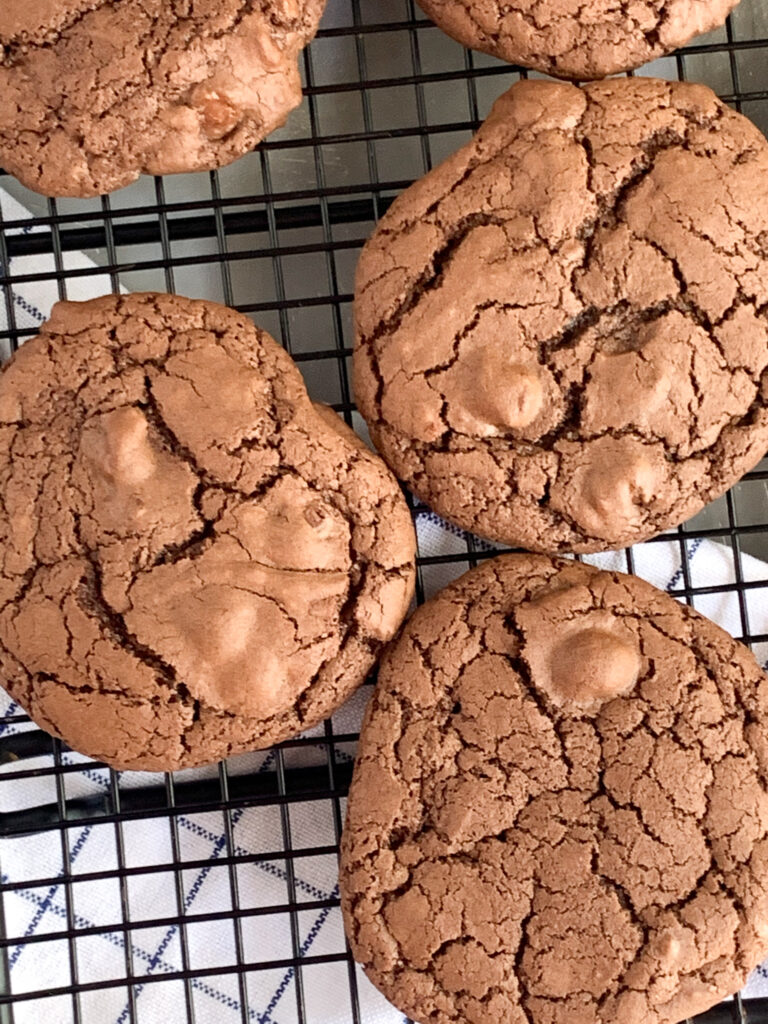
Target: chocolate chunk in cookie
(94,93)
(577,40)
(196,560)
(562,331)
(559,810)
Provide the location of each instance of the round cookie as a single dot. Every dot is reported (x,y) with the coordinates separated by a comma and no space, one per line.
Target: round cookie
(195,559)
(562,331)
(94,93)
(559,810)
(577,40)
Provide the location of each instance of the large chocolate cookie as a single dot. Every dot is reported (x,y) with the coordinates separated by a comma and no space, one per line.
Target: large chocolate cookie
(95,92)
(562,331)
(195,559)
(575,39)
(559,811)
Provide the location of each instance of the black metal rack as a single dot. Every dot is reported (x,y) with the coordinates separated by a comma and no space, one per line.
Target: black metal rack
(277,235)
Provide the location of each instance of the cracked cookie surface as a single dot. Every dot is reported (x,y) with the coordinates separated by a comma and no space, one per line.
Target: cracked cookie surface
(562,331)
(195,559)
(95,92)
(575,39)
(559,810)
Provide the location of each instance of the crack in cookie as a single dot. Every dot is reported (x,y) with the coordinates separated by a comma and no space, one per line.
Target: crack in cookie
(559,809)
(561,331)
(196,560)
(94,94)
(579,41)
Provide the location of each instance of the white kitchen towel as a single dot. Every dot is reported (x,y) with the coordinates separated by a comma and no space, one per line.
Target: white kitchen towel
(36,287)
(39,909)
(204,889)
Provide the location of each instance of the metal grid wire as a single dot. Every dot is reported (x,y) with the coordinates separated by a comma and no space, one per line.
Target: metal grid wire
(276,235)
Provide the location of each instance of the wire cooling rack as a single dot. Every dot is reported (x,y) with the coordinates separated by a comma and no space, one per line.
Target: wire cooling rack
(211,895)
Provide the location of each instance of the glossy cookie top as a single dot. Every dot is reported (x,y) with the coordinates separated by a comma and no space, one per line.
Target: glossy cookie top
(562,339)
(577,40)
(94,93)
(559,810)
(196,560)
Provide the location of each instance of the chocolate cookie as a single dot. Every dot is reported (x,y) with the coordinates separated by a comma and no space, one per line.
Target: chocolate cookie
(559,810)
(577,40)
(196,560)
(562,330)
(94,93)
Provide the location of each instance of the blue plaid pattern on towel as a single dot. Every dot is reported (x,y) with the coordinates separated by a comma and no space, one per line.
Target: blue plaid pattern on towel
(201,867)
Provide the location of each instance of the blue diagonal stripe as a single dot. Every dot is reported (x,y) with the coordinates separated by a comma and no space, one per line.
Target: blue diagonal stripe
(141,954)
(677,575)
(314,931)
(218,846)
(8,713)
(33,311)
(46,902)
